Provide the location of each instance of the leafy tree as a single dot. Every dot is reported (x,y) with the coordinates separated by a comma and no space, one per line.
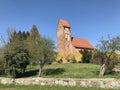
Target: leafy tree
(33,43)
(47,53)
(16,54)
(40,48)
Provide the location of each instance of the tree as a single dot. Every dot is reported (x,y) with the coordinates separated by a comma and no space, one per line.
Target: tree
(1,61)
(40,48)
(33,43)
(47,52)
(108,48)
(16,54)
(16,61)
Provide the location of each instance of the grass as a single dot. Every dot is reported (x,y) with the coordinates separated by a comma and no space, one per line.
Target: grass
(74,70)
(38,87)
(61,70)
(70,70)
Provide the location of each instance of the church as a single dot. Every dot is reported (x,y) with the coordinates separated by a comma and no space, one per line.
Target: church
(66,43)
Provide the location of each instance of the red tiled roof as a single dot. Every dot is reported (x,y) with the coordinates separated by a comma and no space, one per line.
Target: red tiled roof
(81,43)
(64,23)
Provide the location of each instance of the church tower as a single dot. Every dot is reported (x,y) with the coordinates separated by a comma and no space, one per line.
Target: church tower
(68,47)
(63,36)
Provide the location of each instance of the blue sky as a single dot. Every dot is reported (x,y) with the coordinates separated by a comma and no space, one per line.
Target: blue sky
(89,19)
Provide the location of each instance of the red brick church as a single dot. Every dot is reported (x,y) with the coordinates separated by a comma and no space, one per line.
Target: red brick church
(66,43)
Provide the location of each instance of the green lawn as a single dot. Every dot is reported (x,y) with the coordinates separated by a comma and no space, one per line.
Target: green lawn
(70,70)
(38,87)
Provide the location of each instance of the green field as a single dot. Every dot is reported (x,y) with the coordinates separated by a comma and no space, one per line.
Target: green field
(69,70)
(38,87)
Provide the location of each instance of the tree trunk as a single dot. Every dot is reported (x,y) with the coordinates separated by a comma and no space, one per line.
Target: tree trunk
(102,71)
(40,69)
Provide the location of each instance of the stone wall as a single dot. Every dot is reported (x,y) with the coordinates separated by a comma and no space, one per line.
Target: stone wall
(102,83)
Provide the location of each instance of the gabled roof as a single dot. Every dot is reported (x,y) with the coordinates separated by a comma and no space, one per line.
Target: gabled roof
(64,23)
(81,43)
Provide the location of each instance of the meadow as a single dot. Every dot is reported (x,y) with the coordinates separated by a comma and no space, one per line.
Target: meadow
(69,70)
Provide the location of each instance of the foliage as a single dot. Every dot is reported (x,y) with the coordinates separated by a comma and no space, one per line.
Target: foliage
(98,57)
(86,55)
(58,57)
(115,55)
(1,65)
(16,54)
(23,48)
(106,51)
(33,42)
(70,57)
(17,61)
(41,49)
(1,61)
(78,57)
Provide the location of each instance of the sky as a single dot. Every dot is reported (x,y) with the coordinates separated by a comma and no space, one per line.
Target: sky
(89,19)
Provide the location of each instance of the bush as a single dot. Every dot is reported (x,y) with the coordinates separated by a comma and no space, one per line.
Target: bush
(100,58)
(110,63)
(69,57)
(86,55)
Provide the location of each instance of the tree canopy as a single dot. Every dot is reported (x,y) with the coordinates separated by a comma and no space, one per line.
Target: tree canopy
(40,48)
(16,54)
(23,48)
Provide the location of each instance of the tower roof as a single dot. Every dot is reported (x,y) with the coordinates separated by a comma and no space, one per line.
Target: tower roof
(64,23)
(81,43)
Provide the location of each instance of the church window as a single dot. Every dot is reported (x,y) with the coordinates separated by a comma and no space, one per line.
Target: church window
(68,37)
(66,29)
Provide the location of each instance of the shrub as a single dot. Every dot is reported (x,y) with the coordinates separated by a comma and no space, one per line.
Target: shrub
(98,58)
(70,57)
(58,57)
(86,55)
(78,57)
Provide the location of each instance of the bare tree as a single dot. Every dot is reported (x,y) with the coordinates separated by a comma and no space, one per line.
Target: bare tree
(108,48)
